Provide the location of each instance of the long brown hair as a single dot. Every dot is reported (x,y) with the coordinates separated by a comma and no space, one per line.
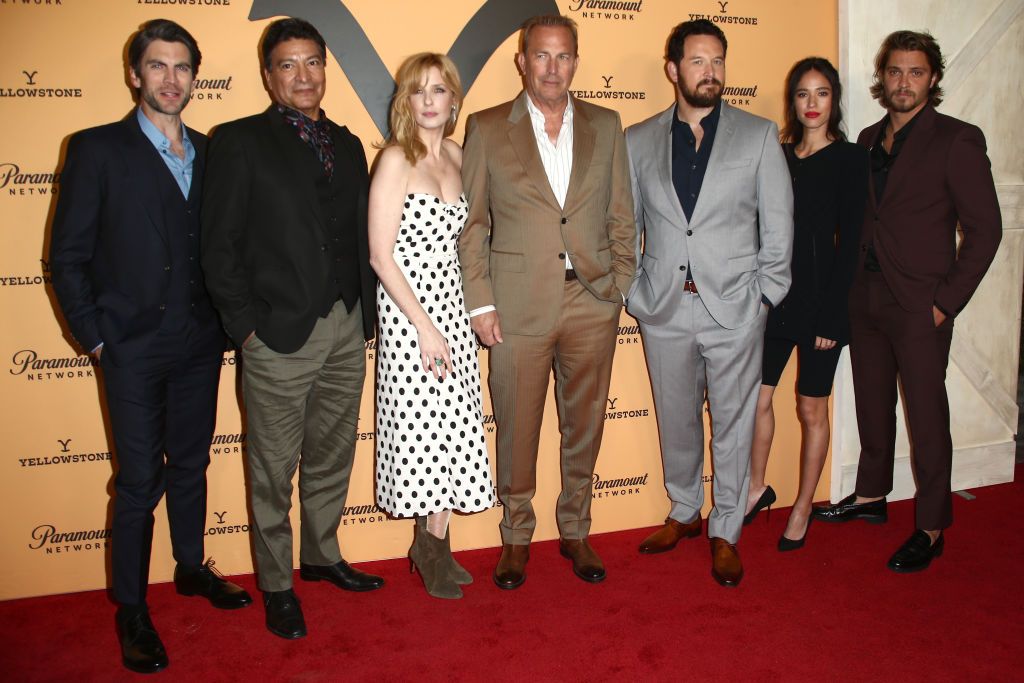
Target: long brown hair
(410,77)
(910,41)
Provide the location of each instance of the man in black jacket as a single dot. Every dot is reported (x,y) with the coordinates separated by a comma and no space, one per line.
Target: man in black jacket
(287,263)
(125,260)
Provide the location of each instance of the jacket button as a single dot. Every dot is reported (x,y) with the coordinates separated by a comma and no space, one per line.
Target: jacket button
(167,267)
(564,220)
(689,232)
(561,256)
(163,307)
(682,267)
(323,247)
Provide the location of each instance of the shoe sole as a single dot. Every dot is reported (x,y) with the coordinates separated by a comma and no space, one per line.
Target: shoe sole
(213,604)
(590,579)
(870,519)
(725,582)
(287,636)
(509,586)
(139,670)
(914,570)
(313,578)
(655,551)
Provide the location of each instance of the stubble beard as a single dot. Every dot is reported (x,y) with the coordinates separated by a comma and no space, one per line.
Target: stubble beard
(696,98)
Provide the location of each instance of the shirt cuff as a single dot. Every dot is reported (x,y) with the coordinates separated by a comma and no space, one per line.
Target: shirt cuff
(480,311)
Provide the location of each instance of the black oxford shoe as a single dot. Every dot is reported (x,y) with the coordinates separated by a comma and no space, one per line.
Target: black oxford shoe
(342,575)
(846,510)
(210,584)
(917,553)
(284,616)
(141,649)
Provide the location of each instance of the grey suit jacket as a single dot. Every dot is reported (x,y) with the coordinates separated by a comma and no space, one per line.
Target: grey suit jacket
(740,239)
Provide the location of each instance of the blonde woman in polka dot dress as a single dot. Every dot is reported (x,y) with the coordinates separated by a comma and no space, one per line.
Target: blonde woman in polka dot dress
(431,453)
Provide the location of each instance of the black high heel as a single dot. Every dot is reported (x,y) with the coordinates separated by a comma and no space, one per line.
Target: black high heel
(766,500)
(787,544)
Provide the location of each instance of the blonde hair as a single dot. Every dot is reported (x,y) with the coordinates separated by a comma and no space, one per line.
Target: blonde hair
(409,79)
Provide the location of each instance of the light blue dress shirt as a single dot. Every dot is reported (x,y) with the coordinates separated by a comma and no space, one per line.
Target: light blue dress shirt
(181,169)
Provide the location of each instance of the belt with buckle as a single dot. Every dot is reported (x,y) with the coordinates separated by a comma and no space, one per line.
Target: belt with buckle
(570,274)
(690,286)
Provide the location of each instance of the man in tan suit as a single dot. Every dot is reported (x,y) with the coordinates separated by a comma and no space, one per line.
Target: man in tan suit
(547,257)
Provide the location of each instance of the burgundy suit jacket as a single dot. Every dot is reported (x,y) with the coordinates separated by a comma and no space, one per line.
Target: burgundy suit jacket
(942,177)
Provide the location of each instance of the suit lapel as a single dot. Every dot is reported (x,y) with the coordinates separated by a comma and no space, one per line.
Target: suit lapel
(720,151)
(867,140)
(149,174)
(524,145)
(913,148)
(663,148)
(583,140)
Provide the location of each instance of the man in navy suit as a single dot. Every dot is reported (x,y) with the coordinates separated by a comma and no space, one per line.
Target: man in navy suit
(125,261)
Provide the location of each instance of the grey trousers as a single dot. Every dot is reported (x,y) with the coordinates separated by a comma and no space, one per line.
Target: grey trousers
(302,410)
(686,357)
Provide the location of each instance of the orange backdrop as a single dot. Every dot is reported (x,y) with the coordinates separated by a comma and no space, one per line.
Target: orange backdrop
(62,70)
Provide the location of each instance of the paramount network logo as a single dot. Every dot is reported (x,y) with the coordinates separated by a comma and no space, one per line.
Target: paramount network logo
(32,3)
(228,444)
(621,486)
(27,363)
(614,10)
(628,334)
(354,515)
(207,89)
(45,537)
(65,455)
(495,21)
(17,182)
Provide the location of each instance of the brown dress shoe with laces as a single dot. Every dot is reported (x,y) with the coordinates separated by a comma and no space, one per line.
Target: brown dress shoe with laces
(668,536)
(726,567)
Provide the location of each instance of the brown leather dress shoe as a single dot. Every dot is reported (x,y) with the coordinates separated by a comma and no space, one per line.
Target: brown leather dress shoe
(726,567)
(668,536)
(511,570)
(585,562)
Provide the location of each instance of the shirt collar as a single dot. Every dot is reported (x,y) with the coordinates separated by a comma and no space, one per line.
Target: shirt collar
(536,113)
(709,123)
(157,138)
(296,117)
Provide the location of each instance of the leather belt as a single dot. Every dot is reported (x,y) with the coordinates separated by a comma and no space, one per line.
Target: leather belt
(690,286)
(570,274)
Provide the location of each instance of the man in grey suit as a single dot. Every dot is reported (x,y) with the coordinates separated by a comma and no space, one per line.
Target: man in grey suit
(714,206)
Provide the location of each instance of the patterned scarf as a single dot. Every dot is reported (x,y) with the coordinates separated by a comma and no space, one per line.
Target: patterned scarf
(316,134)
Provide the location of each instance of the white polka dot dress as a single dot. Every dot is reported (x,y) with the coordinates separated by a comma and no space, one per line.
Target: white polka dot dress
(431,453)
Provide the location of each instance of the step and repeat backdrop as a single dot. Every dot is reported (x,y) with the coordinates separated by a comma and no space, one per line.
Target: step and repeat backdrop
(62,69)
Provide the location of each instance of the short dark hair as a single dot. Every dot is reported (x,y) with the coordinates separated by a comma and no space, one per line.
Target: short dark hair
(289,29)
(167,31)
(793,130)
(696,27)
(549,20)
(910,41)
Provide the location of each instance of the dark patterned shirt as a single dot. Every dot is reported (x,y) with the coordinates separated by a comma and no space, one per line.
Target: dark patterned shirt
(316,134)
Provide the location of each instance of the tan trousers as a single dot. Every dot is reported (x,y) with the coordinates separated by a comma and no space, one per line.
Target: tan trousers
(580,347)
(302,409)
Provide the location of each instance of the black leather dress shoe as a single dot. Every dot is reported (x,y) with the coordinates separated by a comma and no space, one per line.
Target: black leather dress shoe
(846,510)
(284,616)
(917,553)
(210,584)
(141,649)
(585,562)
(342,575)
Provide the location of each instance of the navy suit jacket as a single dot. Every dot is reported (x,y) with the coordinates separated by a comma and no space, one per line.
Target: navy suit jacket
(110,255)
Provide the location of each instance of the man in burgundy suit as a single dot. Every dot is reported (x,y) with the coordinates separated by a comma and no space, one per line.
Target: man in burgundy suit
(929,172)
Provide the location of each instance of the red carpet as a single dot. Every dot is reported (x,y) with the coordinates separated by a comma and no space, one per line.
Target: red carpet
(831,611)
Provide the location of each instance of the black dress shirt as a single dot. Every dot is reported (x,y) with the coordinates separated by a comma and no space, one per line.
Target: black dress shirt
(881,163)
(689,164)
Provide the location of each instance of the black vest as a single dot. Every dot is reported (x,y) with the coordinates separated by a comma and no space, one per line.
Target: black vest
(338,198)
(186,296)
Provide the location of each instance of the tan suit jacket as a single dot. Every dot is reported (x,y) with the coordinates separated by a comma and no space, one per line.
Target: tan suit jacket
(513,247)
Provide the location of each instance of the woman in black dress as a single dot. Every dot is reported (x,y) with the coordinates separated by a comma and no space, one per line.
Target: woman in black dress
(829,191)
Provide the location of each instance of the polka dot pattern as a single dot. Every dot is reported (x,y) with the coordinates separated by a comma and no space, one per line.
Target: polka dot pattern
(431,452)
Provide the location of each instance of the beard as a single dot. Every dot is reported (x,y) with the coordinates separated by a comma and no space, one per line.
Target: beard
(708,98)
(903,105)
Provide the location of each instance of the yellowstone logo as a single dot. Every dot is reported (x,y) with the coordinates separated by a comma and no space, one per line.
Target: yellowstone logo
(609,92)
(615,412)
(194,3)
(495,21)
(221,527)
(228,444)
(364,436)
(18,182)
(65,456)
(32,89)
(27,363)
(722,16)
(41,278)
(622,486)
(608,10)
(355,515)
(45,537)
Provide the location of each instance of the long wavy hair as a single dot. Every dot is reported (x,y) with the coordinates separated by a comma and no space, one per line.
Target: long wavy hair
(411,75)
(910,41)
(793,130)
